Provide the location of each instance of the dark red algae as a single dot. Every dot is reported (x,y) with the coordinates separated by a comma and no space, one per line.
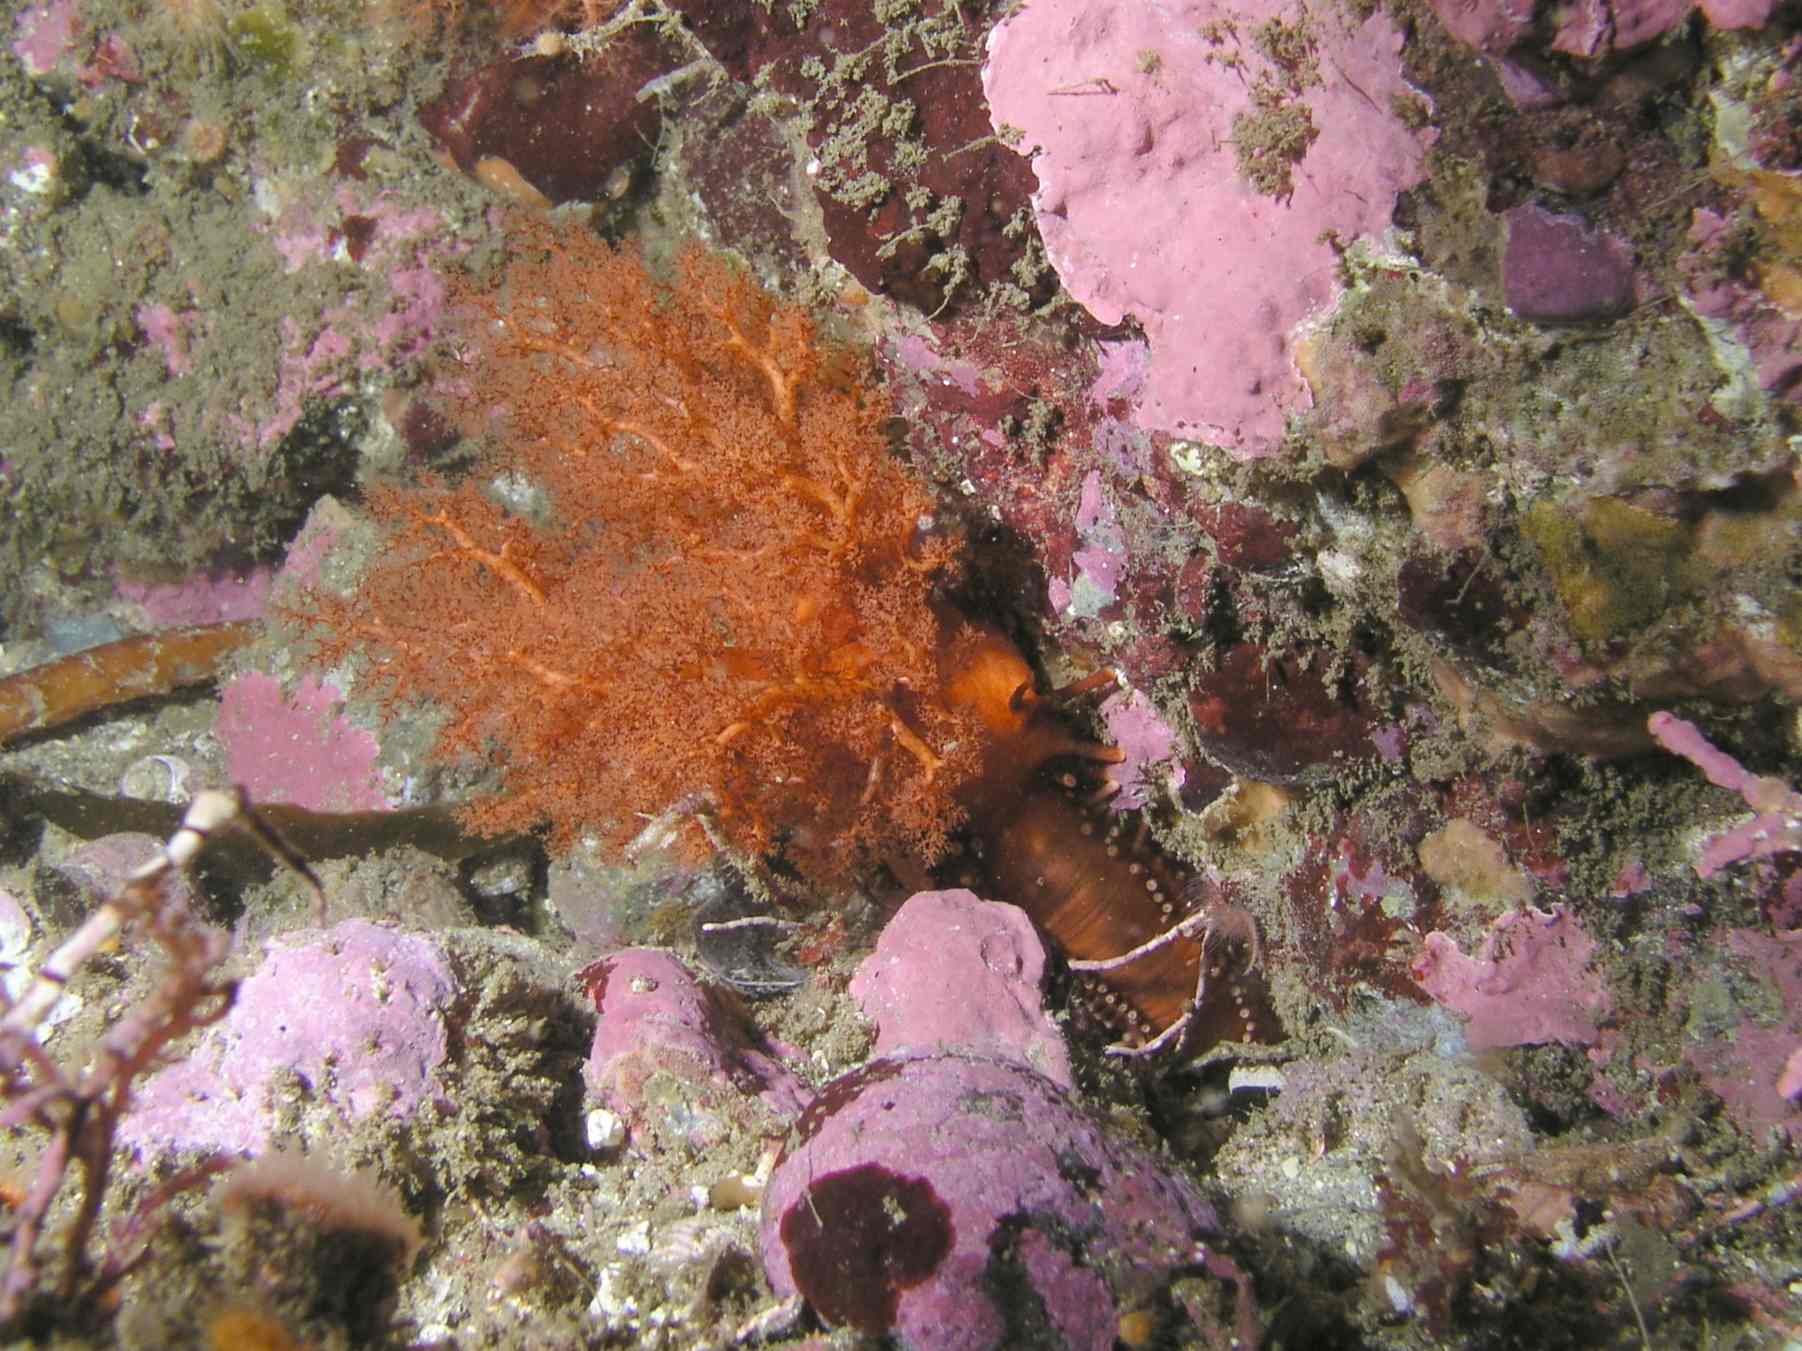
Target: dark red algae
(861,1237)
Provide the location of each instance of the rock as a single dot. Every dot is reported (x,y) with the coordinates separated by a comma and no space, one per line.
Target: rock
(954,971)
(958,1202)
(674,1059)
(357,1012)
(1561,270)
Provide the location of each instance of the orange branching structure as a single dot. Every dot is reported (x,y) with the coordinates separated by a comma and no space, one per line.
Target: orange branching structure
(732,592)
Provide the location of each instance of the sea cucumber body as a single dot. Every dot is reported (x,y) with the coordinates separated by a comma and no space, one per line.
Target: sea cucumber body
(1099,887)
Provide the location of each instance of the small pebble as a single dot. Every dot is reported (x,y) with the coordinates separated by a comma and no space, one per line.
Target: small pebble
(606,1131)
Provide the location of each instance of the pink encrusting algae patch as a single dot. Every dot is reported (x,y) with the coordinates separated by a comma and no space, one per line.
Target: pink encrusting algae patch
(1534,982)
(298,748)
(1133,112)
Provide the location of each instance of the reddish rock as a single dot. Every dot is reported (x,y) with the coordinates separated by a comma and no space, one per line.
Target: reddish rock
(1357,911)
(1561,270)
(1580,170)
(1461,603)
(1245,537)
(573,129)
(866,134)
(742,171)
(962,1203)
(675,1058)
(1267,717)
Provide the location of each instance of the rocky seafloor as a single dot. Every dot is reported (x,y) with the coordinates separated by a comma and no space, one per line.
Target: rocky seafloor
(1400,400)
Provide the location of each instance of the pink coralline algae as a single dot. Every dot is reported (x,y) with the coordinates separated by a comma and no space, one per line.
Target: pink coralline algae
(1770,334)
(952,970)
(1777,826)
(1754,1065)
(1151,747)
(1533,983)
(365,300)
(675,1060)
(46,34)
(1743,1069)
(1141,116)
(1738,13)
(390,319)
(1592,28)
(216,596)
(168,331)
(298,748)
(1122,370)
(1099,560)
(357,1012)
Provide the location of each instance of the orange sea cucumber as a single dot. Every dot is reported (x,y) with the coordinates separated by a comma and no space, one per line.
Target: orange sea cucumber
(737,591)
(1093,880)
